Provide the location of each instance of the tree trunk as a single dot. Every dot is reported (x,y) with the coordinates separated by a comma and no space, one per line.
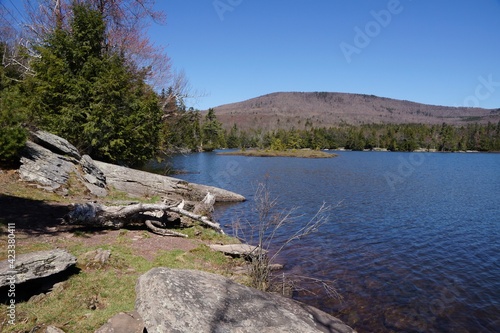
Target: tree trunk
(152,215)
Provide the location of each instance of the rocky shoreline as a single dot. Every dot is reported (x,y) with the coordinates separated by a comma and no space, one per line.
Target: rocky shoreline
(167,299)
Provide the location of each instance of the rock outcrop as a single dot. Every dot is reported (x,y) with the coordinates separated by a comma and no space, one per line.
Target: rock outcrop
(42,166)
(92,173)
(170,300)
(50,161)
(141,183)
(35,265)
(55,144)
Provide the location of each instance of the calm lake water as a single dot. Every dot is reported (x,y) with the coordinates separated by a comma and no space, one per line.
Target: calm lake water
(413,241)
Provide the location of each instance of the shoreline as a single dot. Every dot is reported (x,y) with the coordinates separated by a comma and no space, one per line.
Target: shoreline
(296,153)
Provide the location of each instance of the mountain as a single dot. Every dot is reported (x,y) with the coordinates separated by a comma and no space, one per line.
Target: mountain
(324,109)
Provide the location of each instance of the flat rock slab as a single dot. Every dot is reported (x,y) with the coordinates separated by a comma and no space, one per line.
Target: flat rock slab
(129,322)
(170,300)
(55,144)
(35,265)
(141,183)
(239,250)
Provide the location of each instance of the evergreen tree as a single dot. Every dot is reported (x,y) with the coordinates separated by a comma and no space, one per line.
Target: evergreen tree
(12,113)
(213,134)
(91,97)
(233,139)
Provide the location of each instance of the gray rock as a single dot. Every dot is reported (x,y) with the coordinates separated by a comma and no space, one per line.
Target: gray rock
(94,178)
(238,250)
(93,174)
(44,167)
(95,258)
(129,322)
(188,301)
(52,170)
(55,144)
(96,190)
(35,265)
(141,183)
(53,329)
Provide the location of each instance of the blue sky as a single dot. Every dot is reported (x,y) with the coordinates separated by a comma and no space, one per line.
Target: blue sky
(441,52)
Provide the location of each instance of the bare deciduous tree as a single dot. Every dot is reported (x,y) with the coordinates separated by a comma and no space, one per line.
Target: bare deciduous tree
(127,22)
(263,233)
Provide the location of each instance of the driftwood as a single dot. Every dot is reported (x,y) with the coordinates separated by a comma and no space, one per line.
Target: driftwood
(152,215)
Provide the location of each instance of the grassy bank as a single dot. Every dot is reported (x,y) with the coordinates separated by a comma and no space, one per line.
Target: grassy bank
(302,153)
(87,299)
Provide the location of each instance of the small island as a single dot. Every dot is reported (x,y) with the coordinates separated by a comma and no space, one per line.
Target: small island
(302,153)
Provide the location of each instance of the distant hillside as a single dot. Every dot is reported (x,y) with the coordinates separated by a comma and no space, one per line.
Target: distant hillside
(324,109)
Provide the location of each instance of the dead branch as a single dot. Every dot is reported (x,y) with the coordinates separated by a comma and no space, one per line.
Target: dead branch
(162,231)
(154,216)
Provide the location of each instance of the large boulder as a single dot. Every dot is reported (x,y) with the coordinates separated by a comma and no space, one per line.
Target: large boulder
(55,144)
(50,161)
(188,301)
(42,166)
(34,265)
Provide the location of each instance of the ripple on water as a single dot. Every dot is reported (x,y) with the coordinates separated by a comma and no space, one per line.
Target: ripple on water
(420,257)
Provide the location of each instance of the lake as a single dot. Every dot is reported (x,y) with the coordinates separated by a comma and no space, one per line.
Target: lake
(412,241)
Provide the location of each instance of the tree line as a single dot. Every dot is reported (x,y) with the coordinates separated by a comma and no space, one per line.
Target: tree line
(393,137)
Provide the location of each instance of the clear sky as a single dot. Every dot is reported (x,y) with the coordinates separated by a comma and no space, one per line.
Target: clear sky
(444,52)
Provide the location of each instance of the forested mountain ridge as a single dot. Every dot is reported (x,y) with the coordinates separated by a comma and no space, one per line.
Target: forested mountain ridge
(299,110)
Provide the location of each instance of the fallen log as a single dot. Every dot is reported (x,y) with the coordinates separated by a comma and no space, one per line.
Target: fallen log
(152,215)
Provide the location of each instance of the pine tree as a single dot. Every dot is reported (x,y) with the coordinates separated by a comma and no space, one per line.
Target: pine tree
(213,134)
(233,139)
(91,97)
(12,113)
